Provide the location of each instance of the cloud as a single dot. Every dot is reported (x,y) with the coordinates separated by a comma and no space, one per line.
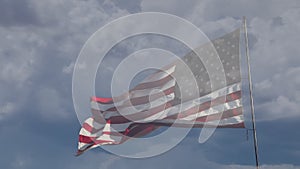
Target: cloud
(68,69)
(7,109)
(132,6)
(21,161)
(16,13)
(39,48)
(178,8)
(277,84)
(17,54)
(50,104)
(212,10)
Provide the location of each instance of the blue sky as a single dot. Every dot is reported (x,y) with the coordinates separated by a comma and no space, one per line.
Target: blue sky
(40,41)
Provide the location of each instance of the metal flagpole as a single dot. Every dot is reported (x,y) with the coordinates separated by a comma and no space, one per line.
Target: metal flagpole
(251,96)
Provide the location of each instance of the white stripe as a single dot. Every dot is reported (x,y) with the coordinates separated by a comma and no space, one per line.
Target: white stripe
(113,127)
(146,92)
(90,121)
(160,115)
(116,139)
(82,146)
(213,110)
(134,94)
(108,137)
(159,75)
(227,121)
(221,92)
(171,111)
(157,116)
(168,112)
(196,102)
(84,132)
(111,138)
(140,93)
(185,106)
(135,109)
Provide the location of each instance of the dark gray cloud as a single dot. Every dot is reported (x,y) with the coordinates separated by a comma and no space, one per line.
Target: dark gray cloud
(16,13)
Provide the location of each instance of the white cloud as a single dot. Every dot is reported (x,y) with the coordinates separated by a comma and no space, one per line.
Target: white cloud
(17,54)
(7,109)
(21,161)
(275,65)
(68,69)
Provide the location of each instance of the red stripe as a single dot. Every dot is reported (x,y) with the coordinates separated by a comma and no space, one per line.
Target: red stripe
(226,114)
(206,105)
(114,133)
(113,99)
(87,127)
(236,125)
(144,114)
(91,129)
(92,140)
(102,100)
(86,139)
(141,130)
(102,141)
(145,99)
(223,115)
(136,126)
(142,100)
(149,127)
(140,115)
(153,84)
(79,152)
(140,86)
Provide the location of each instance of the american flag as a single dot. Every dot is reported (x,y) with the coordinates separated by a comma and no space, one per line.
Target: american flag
(140,111)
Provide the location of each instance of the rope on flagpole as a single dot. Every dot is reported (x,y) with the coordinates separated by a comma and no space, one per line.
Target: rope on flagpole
(251,96)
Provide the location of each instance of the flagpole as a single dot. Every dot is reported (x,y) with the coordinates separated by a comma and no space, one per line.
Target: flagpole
(251,96)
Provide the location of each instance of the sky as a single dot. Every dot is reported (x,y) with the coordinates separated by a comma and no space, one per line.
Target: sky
(40,42)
